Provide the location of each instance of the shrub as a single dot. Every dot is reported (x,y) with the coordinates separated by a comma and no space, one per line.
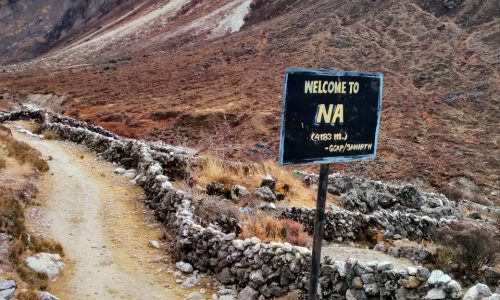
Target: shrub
(50,135)
(451,192)
(469,248)
(268,228)
(218,211)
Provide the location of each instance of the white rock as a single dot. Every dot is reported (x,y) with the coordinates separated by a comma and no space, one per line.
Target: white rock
(166,185)
(184,267)
(154,244)
(477,292)
(161,178)
(192,281)
(444,279)
(130,173)
(435,275)
(238,244)
(46,296)
(46,263)
(435,293)
(119,171)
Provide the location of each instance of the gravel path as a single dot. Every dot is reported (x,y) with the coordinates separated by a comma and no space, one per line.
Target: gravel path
(102,226)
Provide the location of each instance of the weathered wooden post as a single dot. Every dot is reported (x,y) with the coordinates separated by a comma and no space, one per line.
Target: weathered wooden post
(328,116)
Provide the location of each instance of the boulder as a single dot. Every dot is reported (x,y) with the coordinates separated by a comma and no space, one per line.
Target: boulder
(270,182)
(218,189)
(477,292)
(265,193)
(184,267)
(45,263)
(237,191)
(434,277)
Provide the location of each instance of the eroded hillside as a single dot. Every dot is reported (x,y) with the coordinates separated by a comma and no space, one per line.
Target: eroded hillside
(193,73)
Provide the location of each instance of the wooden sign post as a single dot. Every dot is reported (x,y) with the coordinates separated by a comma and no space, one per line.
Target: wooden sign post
(328,116)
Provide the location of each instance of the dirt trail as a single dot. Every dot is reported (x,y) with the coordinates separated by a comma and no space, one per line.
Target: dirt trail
(102,226)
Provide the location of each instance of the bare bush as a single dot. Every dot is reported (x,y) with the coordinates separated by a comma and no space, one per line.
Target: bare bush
(451,192)
(268,228)
(468,248)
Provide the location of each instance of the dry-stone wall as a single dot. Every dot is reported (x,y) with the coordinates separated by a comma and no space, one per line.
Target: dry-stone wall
(367,196)
(256,268)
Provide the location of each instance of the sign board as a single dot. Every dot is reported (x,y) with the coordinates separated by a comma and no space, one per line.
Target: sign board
(330,116)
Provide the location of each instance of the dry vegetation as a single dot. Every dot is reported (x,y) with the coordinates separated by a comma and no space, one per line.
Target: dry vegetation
(250,176)
(269,229)
(22,152)
(468,248)
(50,135)
(16,191)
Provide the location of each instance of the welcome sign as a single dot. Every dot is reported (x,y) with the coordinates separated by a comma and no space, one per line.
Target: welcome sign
(330,116)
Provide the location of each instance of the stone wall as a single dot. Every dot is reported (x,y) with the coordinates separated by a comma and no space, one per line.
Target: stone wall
(255,268)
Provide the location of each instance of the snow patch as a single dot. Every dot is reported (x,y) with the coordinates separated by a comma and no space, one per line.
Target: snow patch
(233,21)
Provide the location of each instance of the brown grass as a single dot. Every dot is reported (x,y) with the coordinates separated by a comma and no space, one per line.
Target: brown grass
(12,203)
(22,152)
(268,228)
(250,175)
(50,135)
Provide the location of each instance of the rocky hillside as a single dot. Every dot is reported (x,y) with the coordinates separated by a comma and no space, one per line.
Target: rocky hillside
(210,74)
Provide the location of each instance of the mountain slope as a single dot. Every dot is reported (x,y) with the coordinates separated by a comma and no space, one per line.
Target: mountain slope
(190,72)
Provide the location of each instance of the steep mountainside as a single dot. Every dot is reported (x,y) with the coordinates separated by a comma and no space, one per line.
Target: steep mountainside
(32,27)
(209,74)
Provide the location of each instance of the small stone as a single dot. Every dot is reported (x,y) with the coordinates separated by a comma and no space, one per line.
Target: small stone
(371,289)
(454,286)
(230,236)
(257,278)
(239,245)
(248,294)
(154,244)
(423,273)
(192,281)
(255,240)
(119,171)
(46,296)
(384,266)
(357,283)
(413,282)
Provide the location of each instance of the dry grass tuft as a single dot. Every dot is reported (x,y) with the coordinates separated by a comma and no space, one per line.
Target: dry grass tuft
(50,135)
(215,169)
(268,229)
(22,152)
(250,175)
